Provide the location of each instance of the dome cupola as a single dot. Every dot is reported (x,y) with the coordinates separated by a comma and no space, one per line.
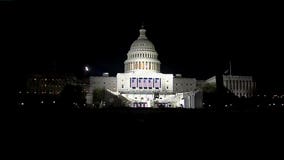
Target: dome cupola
(142,55)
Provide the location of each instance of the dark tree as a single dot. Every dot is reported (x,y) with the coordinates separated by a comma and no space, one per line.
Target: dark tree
(99,97)
(71,98)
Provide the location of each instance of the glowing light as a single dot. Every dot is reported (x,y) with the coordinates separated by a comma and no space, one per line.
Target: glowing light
(22,103)
(53,102)
(87,69)
(41,102)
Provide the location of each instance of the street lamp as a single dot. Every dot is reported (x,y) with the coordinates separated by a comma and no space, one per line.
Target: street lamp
(87,69)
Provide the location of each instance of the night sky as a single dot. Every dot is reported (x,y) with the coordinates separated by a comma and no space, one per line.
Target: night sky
(196,40)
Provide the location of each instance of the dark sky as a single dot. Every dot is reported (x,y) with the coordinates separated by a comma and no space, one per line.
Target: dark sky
(196,40)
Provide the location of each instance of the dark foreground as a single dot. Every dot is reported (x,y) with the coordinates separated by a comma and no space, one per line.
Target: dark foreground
(126,115)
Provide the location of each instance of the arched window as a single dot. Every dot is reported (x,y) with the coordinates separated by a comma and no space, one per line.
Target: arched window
(150,65)
(139,65)
(146,66)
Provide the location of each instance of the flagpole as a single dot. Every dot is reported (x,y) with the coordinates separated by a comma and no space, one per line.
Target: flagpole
(230,68)
(230,75)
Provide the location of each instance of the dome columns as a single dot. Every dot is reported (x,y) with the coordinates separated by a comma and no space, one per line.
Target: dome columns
(142,55)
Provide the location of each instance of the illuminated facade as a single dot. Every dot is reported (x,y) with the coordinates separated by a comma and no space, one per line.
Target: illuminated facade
(241,86)
(143,85)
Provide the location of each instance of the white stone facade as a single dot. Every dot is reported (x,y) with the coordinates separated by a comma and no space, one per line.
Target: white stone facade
(184,84)
(241,86)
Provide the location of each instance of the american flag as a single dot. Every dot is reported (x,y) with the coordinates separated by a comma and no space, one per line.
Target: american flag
(133,82)
(157,83)
(140,83)
(145,82)
(150,82)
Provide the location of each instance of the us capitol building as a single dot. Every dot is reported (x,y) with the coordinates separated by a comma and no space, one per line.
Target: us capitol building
(143,85)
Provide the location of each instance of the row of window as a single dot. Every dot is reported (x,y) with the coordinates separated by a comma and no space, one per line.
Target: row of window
(243,94)
(41,92)
(183,83)
(52,79)
(142,65)
(143,55)
(241,85)
(45,85)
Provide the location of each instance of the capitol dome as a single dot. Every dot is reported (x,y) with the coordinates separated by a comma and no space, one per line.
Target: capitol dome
(142,43)
(142,55)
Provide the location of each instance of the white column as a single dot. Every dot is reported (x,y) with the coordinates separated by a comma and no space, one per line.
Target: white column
(131,66)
